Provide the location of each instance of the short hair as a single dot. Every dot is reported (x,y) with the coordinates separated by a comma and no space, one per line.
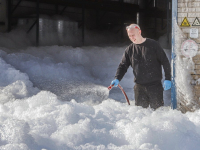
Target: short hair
(132,26)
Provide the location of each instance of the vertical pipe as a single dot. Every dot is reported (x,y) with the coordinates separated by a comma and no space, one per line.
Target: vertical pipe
(167,21)
(174,22)
(56,8)
(122,17)
(155,14)
(97,18)
(9,11)
(37,24)
(138,18)
(83,23)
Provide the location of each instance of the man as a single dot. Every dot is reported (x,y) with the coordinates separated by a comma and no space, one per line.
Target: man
(146,57)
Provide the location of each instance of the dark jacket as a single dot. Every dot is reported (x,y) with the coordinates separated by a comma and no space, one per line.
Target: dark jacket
(147,60)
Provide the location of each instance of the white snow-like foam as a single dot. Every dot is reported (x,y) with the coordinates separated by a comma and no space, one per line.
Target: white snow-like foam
(44,122)
(56,97)
(72,73)
(14,84)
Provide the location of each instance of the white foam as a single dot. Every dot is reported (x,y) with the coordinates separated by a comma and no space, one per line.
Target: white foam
(56,98)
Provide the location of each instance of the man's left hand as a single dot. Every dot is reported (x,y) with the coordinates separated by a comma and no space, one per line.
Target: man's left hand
(167,85)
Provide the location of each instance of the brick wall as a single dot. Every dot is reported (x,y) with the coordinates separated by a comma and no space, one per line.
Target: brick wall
(191,10)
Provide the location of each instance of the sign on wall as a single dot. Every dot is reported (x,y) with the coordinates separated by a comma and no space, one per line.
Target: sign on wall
(185,23)
(189,48)
(196,22)
(194,33)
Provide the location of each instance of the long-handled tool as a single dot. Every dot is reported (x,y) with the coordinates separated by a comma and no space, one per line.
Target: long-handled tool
(111,86)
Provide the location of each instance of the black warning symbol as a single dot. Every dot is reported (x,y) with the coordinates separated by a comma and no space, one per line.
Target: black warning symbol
(196,22)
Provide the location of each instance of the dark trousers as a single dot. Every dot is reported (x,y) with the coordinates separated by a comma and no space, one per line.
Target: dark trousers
(149,95)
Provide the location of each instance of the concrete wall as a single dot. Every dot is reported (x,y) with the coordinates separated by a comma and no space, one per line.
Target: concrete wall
(191,10)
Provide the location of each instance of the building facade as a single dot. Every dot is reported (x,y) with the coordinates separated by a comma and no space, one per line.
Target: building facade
(188,15)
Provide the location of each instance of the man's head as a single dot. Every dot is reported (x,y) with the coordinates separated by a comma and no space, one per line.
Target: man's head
(134,33)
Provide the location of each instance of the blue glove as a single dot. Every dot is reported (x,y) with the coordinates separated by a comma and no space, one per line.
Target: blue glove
(115,82)
(167,85)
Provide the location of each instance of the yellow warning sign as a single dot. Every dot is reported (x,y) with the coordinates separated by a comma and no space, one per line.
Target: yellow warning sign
(185,23)
(196,22)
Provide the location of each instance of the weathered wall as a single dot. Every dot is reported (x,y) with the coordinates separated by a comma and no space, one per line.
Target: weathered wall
(191,10)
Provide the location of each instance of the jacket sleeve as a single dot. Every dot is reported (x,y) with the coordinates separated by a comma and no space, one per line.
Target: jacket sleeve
(123,66)
(164,62)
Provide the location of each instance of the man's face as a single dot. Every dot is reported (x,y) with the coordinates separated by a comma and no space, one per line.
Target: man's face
(134,35)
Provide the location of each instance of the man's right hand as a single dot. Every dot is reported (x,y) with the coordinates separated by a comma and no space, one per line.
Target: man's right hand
(115,82)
